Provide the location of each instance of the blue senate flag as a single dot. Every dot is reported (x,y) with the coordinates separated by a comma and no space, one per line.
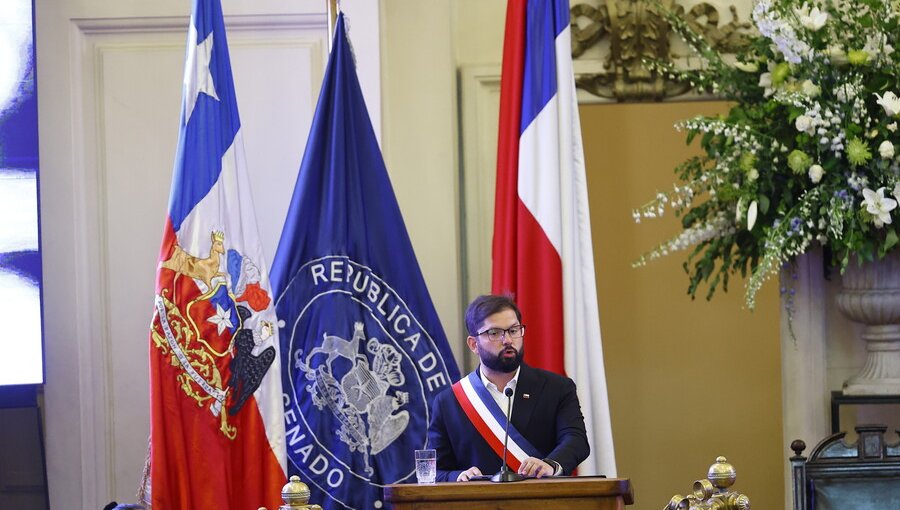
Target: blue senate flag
(364,352)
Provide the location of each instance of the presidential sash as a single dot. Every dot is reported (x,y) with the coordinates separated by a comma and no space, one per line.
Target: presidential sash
(490,422)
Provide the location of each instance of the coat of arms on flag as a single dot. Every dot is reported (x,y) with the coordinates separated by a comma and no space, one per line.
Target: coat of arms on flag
(370,417)
(361,371)
(212,328)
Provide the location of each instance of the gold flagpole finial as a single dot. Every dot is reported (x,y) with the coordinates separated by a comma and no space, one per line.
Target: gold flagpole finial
(332,8)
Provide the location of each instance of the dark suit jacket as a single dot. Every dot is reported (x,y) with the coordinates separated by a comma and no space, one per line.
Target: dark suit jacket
(550,419)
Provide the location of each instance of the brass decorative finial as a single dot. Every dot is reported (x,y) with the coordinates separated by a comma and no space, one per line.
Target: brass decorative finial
(721,473)
(712,493)
(295,495)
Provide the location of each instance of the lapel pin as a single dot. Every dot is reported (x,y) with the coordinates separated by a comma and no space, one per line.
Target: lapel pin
(526,395)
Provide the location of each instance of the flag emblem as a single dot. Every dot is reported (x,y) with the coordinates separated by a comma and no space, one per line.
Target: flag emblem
(217,364)
(358,354)
(360,401)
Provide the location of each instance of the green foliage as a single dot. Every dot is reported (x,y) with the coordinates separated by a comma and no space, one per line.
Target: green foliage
(805,156)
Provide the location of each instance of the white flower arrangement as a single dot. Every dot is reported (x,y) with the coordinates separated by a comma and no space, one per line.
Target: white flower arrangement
(806,154)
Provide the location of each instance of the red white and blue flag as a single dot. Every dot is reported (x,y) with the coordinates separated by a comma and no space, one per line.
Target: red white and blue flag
(217,422)
(542,251)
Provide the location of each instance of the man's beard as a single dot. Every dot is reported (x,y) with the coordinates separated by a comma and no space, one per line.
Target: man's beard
(499,362)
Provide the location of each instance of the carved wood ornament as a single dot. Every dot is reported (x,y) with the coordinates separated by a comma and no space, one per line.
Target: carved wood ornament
(636,32)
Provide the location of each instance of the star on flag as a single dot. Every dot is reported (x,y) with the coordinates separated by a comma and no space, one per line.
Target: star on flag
(197,77)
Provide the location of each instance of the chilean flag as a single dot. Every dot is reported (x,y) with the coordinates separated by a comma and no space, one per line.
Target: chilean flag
(542,252)
(217,422)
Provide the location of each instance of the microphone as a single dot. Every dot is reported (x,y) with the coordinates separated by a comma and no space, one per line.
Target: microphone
(505,475)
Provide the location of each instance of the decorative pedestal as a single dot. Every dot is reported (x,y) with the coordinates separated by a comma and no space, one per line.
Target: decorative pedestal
(871,296)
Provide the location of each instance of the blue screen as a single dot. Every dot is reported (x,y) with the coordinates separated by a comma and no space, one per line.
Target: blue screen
(21,361)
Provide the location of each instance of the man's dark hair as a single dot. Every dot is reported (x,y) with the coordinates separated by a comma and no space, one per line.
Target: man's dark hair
(483,307)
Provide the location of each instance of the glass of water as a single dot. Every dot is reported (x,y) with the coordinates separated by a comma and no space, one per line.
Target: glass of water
(426,465)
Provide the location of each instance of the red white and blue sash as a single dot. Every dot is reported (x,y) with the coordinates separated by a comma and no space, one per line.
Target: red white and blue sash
(489,420)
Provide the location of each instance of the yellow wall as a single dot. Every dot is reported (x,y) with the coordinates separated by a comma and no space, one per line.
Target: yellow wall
(688,380)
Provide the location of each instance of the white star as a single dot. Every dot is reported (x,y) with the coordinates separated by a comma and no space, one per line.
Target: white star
(222,319)
(197,77)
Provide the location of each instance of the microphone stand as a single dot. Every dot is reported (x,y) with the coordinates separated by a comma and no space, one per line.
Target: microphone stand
(505,474)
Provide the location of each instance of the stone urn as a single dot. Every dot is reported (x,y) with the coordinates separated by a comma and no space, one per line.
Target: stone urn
(871,295)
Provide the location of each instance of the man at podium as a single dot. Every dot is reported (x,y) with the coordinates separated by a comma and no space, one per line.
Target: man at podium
(469,420)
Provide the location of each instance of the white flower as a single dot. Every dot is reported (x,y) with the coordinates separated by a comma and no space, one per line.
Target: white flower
(747,67)
(753,174)
(815,173)
(751,215)
(890,102)
(810,89)
(765,81)
(837,55)
(896,192)
(857,182)
(781,33)
(845,92)
(812,19)
(878,206)
(892,127)
(886,149)
(805,124)
(878,44)
(739,210)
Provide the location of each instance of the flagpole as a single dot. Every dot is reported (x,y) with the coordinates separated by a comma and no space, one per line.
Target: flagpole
(331,6)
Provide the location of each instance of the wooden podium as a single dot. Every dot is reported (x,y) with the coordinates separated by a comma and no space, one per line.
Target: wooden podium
(574,493)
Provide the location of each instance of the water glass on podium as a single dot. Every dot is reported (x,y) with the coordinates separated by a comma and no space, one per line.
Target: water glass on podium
(426,466)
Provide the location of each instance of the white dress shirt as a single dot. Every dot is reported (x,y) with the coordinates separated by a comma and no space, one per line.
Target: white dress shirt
(497,394)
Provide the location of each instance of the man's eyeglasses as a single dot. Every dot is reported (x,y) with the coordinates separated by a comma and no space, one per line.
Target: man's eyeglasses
(496,334)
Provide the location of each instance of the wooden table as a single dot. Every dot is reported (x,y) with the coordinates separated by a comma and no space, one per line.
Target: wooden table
(575,493)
